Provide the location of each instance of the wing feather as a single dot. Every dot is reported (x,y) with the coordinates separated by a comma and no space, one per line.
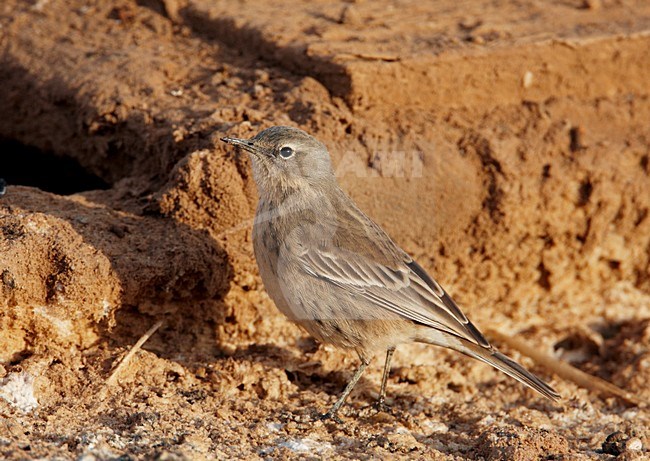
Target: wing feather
(405,289)
(352,270)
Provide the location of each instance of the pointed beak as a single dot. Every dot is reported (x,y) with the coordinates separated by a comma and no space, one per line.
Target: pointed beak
(245,144)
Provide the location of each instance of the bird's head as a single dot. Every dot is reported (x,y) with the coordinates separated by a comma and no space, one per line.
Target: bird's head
(286,158)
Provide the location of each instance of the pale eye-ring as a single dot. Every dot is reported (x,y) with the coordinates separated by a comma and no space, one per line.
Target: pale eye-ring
(286,152)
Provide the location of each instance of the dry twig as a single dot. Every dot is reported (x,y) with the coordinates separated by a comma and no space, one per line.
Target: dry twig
(564,370)
(136,347)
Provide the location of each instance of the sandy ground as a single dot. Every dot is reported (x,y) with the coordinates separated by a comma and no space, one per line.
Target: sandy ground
(505,145)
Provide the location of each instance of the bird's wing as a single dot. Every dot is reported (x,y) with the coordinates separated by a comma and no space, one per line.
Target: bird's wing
(367,263)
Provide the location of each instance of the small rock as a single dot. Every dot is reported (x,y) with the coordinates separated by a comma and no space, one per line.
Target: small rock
(437,427)
(634,444)
(258,90)
(350,16)
(403,440)
(479,40)
(527,81)
(119,231)
(615,443)
(7,279)
(592,4)
(172,10)
(18,390)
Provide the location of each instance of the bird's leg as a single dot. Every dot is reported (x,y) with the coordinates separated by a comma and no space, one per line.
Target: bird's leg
(380,405)
(331,414)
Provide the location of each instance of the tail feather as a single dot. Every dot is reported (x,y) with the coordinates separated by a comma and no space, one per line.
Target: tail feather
(511,368)
(496,359)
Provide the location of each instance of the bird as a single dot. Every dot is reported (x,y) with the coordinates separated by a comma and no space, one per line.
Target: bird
(332,270)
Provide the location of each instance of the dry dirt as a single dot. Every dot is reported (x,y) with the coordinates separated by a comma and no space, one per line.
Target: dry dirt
(505,144)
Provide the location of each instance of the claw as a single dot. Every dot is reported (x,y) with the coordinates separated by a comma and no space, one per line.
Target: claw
(380,406)
(330,415)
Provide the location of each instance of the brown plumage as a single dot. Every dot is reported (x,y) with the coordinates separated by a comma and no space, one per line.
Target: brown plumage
(332,270)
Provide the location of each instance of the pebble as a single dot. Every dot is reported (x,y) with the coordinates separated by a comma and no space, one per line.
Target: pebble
(634,444)
(527,81)
(592,4)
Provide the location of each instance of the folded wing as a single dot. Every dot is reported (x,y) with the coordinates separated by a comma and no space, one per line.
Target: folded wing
(400,286)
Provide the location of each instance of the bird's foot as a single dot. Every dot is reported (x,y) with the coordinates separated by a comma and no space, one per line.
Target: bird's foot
(330,415)
(380,406)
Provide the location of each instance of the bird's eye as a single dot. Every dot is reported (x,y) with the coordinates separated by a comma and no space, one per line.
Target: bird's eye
(286,152)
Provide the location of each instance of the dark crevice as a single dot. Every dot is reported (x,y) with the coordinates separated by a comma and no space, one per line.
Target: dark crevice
(582,238)
(544,277)
(549,242)
(643,163)
(614,264)
(575,139)
(584,192)
(27,166)
(641,215)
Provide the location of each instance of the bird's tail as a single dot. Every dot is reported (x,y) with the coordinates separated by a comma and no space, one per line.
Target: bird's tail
(495,358)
